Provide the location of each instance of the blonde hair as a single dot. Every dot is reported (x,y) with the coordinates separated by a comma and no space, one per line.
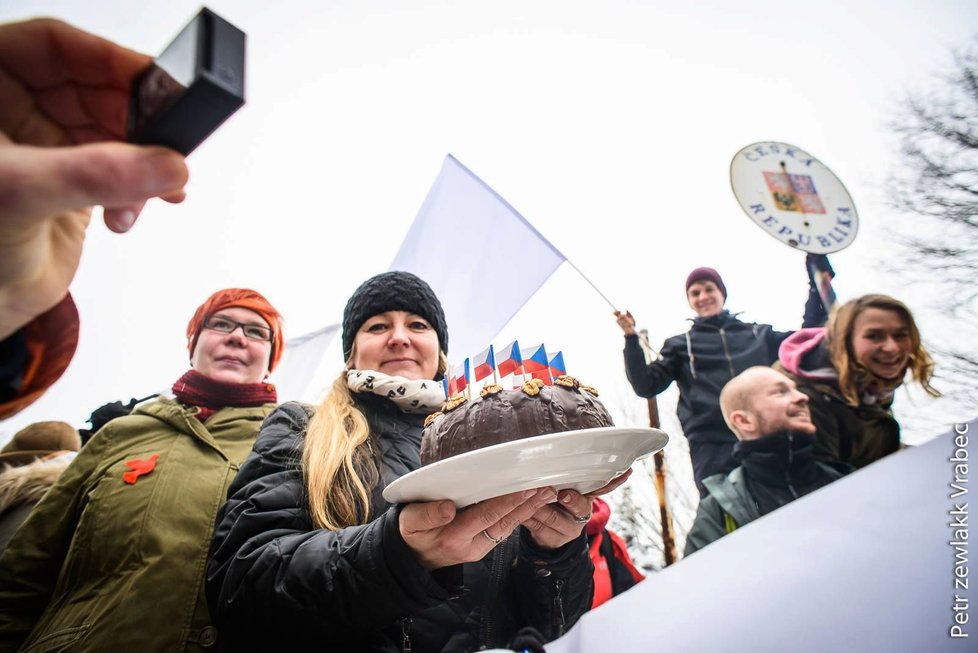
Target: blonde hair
(340,458)
(852,375)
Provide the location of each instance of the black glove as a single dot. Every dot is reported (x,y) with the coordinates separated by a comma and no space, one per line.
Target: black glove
(528,639)
(821,263)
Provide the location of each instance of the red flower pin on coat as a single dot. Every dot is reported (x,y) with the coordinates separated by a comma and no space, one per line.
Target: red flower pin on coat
(139,467)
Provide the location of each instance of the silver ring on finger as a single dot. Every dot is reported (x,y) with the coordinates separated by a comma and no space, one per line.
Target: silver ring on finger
(494,540)
(583,519)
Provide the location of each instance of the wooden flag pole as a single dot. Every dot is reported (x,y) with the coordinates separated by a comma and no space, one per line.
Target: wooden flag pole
(668,540)
(665,518)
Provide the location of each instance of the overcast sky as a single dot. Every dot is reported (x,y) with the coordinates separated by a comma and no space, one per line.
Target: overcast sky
(610,125)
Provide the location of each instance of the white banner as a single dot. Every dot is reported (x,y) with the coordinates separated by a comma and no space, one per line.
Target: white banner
(877,561)
(303,354)
(481,257)
(461,219)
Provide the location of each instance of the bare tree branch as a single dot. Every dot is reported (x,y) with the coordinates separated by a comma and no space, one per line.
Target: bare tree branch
(935,191)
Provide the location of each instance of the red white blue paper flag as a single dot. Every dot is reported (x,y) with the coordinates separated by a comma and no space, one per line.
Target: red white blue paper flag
(483,364)
(444,385)
(535,359)
(557,367)
(510,361)
(544,375)
(461,209)
(459,379)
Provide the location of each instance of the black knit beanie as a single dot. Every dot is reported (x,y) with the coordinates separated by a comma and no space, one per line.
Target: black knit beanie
(392,291)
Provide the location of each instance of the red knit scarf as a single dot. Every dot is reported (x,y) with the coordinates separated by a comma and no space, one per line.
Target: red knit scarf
(195,389)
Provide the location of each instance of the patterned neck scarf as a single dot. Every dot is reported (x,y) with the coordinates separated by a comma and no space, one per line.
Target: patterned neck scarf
(421,396)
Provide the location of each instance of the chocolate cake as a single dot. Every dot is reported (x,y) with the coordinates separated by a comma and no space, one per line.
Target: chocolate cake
(499,416)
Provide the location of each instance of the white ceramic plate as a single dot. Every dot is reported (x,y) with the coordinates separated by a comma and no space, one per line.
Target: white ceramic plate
(582,460)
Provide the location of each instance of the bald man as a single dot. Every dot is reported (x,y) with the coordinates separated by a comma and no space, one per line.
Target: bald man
(776,439)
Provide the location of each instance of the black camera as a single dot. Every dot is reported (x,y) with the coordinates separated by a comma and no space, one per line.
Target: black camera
(190,89)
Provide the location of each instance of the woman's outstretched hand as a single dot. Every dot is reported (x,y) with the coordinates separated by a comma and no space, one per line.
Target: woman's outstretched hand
(554,525)
(442,536)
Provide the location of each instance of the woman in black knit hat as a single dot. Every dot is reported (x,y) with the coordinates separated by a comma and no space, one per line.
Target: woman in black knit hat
(307,554)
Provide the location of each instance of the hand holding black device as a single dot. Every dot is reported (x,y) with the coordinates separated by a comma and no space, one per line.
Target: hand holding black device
(191,88)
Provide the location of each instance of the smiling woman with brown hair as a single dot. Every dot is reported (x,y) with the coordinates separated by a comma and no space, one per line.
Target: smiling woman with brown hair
(113,556)
(850,371)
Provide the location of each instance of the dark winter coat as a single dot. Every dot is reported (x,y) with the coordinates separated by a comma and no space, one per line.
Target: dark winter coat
(857,435)
(278,583)
(774,471)
(701,361)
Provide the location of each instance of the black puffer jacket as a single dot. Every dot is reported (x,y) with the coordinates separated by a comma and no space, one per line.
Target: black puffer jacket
(276,583)
(782,467)
(774,471)
(701,361)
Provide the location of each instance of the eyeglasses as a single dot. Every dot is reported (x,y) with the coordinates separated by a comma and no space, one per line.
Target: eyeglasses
(224,325)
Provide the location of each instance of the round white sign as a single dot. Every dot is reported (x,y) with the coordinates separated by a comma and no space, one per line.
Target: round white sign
(789,194)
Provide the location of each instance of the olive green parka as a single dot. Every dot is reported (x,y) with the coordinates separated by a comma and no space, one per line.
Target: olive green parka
(113,557)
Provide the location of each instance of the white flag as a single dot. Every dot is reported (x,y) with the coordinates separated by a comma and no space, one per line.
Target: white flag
(294,375)
(871,563)
(481,257)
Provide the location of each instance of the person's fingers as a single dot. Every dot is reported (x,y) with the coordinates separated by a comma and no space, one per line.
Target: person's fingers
(38,181)
(419,517)
(552,526)
(175,197)
(564,521)
(577,505)
(533,524)
(493,511)
(78,108)
(612,485)
(511,520)
(121,219)
(625,321)
(486,513)
(45,52)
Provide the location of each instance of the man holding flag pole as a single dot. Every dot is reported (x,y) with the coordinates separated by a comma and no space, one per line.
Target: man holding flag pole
(701,361)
